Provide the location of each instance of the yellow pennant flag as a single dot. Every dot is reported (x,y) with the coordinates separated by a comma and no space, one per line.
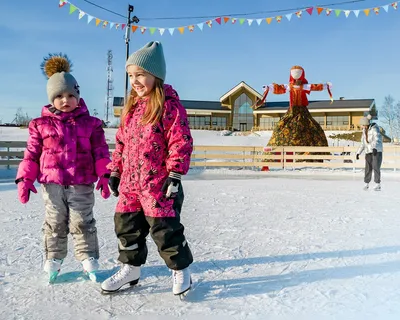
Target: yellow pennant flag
(181,29)
(269,20)
(366,11)
(97,21)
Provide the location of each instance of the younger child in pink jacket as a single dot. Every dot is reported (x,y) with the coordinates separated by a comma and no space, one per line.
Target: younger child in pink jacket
(153,150)
(67,153)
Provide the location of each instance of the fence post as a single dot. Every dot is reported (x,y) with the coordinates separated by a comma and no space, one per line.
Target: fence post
(8,157)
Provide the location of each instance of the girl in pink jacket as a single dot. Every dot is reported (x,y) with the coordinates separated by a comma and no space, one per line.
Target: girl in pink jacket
(153,149)
(67,153)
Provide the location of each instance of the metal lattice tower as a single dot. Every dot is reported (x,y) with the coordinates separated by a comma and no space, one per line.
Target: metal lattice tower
(110,87)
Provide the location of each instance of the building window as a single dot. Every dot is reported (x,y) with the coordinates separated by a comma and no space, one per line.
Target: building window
(199,121)
(337,121)
(219,122)
(243,114)
(320,120)
(268,123)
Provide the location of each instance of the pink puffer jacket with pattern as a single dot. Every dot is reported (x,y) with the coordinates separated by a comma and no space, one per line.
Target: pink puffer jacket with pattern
(65,148)
(145,154)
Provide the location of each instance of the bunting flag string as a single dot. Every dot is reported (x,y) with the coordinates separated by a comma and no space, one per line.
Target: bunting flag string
(222,20)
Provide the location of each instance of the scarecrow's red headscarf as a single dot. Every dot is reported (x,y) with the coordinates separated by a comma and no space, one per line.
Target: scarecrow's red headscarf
(302,79)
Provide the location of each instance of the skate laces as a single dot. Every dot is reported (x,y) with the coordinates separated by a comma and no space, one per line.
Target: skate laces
(179,276)
(122,272)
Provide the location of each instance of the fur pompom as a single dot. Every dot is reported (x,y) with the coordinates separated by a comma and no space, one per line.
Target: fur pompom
(54,63)
(369,117)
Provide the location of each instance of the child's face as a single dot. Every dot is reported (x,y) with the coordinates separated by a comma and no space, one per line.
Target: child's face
(65,102)
(141,81)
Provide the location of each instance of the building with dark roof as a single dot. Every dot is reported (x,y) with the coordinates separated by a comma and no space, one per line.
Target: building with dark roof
(234,112)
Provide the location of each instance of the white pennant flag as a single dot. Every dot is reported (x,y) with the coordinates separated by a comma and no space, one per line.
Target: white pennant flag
(250,21)
(346,13)
(89,18)
(259,21)
(161,30)
(171,31)
(356,12)
(386,7)
(112,24)
(289,16)
(200,25)
(81,14)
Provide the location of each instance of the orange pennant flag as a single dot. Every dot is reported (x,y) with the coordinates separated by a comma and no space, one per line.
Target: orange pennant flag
(269,20)
(181,29)
(97,21)
(366,11)
(134,28)
(319,10)
(226,19)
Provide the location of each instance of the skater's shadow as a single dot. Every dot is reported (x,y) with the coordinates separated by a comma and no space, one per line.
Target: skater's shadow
(78,276)
(221,265)
(227,288)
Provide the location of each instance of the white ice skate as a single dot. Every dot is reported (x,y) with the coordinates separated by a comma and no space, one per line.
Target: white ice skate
(90,267)
(366,186)
(377,187)
(52,267)
(126,274)
(182,281)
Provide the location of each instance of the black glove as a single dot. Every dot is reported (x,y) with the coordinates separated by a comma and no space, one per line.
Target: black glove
(113,182)
(357,156)
(171,185)
(374,151)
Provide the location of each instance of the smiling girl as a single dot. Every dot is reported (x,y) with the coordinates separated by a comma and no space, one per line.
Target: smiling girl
(153,149)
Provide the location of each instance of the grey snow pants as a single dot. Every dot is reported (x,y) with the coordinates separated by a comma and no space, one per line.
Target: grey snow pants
(373,163)
(69,209)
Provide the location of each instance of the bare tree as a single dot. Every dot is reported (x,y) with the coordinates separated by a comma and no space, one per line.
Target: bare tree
(22,118)
(390,115)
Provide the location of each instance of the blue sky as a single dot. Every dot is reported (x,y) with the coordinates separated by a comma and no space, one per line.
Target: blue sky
(358,55)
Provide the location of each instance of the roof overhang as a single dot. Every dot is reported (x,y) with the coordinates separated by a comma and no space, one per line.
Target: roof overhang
(205,112)
(327,110)
(238,87)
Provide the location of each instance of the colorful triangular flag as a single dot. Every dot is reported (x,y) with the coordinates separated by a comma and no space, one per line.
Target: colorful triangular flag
(356,12)
(346,13)
(200,25)
(62,3)
(105,23)
(226,19)
(376,10)
(171,30)
(337,12)
(249,21)
(278,18)
(299,13)
(191,28)
(181,29)
(234,20)
(81,14)
(269,20)
(319,10)
(97,21)
(394,5)
(209,23)
(218,20)
(386,8)
(112,24)
(162,30)
(143,29)
(152,30)
(259,21)
(123,26)
(89,18)
(242,20)
(289,16)
(328,11)
(366,11)
(134,28)
(310,10)
(72,8)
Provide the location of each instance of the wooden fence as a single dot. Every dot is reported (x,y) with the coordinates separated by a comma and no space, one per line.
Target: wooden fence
(11,153)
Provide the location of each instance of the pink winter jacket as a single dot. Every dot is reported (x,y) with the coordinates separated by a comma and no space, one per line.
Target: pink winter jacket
(145,154)
(65,148)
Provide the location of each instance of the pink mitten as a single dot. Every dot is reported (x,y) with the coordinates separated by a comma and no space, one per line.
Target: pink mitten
(24,189)
(103,186)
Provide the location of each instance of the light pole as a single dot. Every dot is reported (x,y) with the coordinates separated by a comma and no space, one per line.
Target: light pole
(127,39)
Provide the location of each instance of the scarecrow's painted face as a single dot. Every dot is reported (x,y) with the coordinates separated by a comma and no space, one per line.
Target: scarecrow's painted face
(296,73)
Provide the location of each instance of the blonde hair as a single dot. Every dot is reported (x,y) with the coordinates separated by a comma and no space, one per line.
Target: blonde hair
(154,108)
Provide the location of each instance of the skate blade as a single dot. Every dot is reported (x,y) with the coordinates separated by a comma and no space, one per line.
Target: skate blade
(119,290)
(184,293)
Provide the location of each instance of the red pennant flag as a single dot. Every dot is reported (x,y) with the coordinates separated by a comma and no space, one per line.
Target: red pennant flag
(218,20)
(123,26)
(226,19)
(310,10)
(319,10)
